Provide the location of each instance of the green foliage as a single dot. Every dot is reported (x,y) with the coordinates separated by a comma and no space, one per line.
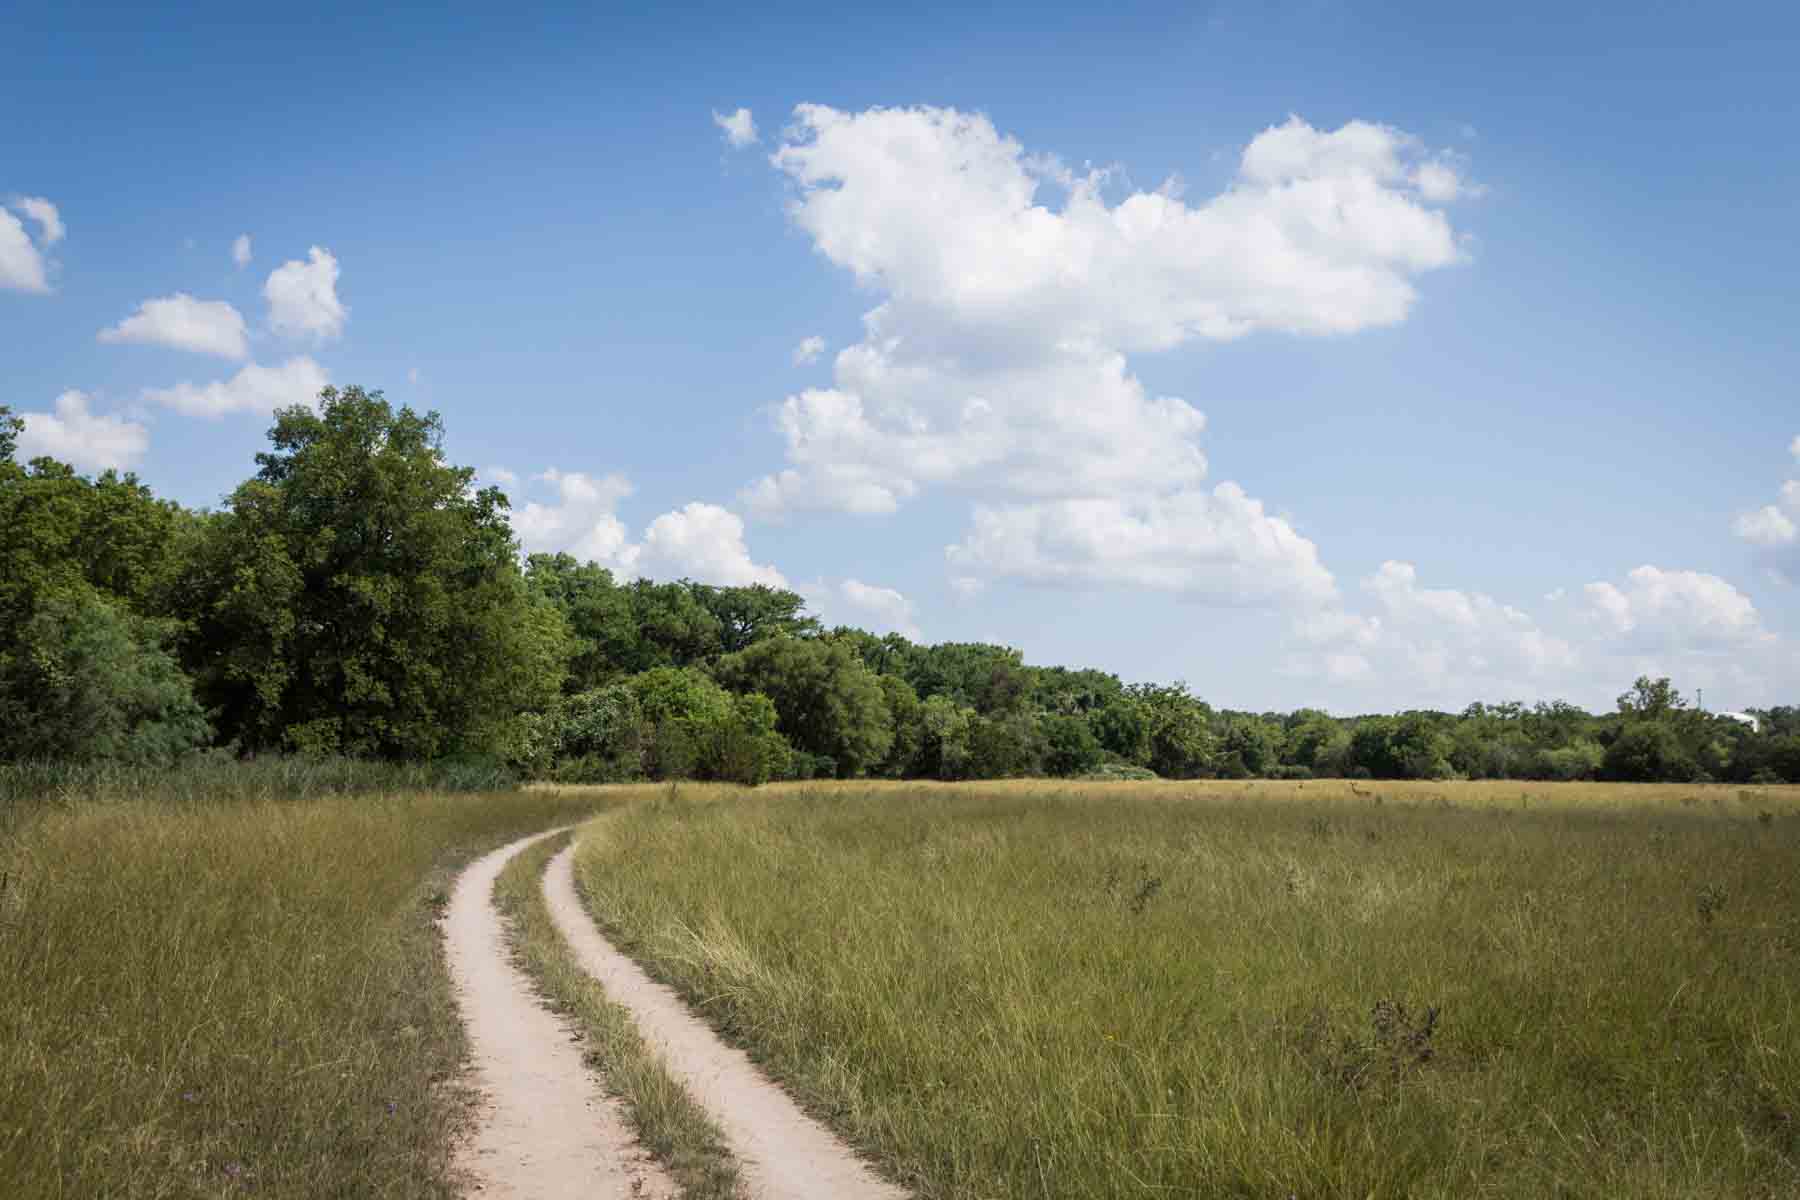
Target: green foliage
(1070,747)
(359,597)
(86,682)
(1648,750)
(944,750)
(1179,740)
(1007,745)
(908,716)
(598,736)
(747,615)
(828,702)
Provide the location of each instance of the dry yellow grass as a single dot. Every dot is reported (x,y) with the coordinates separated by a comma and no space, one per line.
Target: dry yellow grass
(1037,988)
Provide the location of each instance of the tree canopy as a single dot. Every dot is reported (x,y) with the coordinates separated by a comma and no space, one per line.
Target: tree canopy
(359,595)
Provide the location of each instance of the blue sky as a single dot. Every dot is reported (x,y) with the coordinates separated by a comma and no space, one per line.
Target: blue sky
(1481,325)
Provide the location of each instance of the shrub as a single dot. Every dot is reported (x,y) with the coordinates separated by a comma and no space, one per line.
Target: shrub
(89,682)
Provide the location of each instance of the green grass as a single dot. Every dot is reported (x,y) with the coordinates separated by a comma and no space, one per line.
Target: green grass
(209,993)
(1043,990)
(669,1124)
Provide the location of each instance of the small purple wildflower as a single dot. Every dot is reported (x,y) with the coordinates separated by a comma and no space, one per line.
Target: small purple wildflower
(191,1097)
(391,1107)
(234,1169)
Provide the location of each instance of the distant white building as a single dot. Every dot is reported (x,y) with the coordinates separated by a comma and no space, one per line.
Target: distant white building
(1744,718)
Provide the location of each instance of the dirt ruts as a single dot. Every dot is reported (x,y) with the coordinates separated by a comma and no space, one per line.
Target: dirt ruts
(544,1128)
(784,1154)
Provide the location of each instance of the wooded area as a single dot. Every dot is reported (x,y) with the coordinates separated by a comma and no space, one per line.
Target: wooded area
(360,596)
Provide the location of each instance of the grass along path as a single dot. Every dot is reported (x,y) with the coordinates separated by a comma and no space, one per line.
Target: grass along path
(543,1129)
(238,997)
(667,1121)
(1047,990)
(783,1152)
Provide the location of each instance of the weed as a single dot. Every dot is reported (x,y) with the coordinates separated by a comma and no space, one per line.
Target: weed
(1709,901)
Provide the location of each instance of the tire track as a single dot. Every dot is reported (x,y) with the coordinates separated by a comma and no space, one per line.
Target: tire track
(783,1153)
(545,1131)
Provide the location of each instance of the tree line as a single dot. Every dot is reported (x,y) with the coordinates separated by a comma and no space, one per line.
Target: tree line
(360,596)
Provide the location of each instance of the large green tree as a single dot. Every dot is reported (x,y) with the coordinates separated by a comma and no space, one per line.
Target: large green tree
(360,596)
(829,704)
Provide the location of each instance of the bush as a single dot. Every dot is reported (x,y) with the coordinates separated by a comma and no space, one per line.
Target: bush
(89,682)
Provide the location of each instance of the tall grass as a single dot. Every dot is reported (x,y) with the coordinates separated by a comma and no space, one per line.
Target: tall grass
(213,777)
(220,990)
(1269,991)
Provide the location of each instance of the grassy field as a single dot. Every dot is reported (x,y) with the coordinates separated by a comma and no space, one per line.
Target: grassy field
(1259,990)
(206,990)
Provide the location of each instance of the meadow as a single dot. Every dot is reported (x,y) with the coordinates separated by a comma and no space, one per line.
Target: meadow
(225,980)
(1045,989)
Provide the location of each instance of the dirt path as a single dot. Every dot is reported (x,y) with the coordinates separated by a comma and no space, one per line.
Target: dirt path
(545,1129)
(785,1154)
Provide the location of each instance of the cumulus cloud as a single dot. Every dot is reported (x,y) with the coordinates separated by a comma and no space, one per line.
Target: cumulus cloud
(865,605)
(180,321)
(1012,292)
(255,389)
(580,521)
(1406,643)
(1219,545)
(703,542)
(739,128)
(49,222)
(697,541)
(499,476)
(74,434)
(24,265)
(240,250)
(1774,529)
(808,350)
(303,299)
(1660,609)
(1440,644)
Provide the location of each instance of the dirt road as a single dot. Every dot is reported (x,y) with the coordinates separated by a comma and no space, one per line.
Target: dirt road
(784,1154)
(545,1129)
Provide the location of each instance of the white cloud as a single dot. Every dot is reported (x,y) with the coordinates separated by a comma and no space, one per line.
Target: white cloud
(703,542)
(254,389)
(23,265)
(808,350)
(49,222)
(1219,545)
(303,299)
(996,361)
(412,375)
(866,606)
(740,129)
(1661,609)
(1414,645)
(698,541)
(203,326)
(1437,182)
(1774,529)
(581,520)
(500,476)
(1428,645)
(73,434)
(240,250)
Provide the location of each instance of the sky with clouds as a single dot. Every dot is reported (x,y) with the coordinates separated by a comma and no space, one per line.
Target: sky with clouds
(1357,356)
